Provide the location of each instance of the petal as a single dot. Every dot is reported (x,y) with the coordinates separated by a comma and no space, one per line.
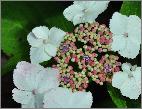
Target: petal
(48,79)
(25,74)
(56,36)
(100,6)
(38,55)
(137,76)
(72,11)
(85,99)
(78,19)
(64,98)
(23,97)
(118,23)
(41,32)
(84,4)
(95,8)
(93,5)
(31,104)
(126,67)
(89,16)
(118,79)
(131,50)
(134,28)
(130,89)
(117,39)
(50,50)
(33,40)
(38,102)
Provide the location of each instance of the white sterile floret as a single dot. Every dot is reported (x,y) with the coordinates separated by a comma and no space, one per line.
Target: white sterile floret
(65,98)
(44,43)
(128,81)
(84,11)
(126,34)
(32,82)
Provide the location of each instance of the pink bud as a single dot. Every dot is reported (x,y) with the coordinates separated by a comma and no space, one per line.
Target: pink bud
(54,66)
(76,59)
(94,72)
(71,72)
(116,69)
(100,50)
(67,60)
(92,63)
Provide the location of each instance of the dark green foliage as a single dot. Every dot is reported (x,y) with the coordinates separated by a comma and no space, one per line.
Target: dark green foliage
(131,8)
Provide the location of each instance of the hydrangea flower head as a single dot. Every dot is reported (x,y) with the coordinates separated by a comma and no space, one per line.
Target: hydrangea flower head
(44,43)
(128,81)
(126,34)
(84,11)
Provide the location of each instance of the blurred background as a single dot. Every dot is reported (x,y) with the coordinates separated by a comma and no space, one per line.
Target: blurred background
(19,18)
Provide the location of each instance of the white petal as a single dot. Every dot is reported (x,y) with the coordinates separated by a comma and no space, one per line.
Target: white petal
(94,9)
(137,76)
(131,50)
(41,32)
(39,100)
(48,79)
(24,76)
(100,6)
(134,28)
(118,23)
(56,36)
(85,4)
(38,55)
(31,104)
(118,79)
(78,19)
(117,39)
(23,97)
(50,50)
(64,98)
(33,40)
(72,11)
(126,67)
(130,89)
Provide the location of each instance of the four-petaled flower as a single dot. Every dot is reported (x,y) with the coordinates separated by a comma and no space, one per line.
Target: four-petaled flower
(84,11)
(44,43)
(128,81)
(126,34)
(33,81)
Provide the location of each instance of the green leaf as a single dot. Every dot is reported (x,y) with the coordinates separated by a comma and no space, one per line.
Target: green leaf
(116,96)
(14,44)
(19,18)
(131,8)
(13,39)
